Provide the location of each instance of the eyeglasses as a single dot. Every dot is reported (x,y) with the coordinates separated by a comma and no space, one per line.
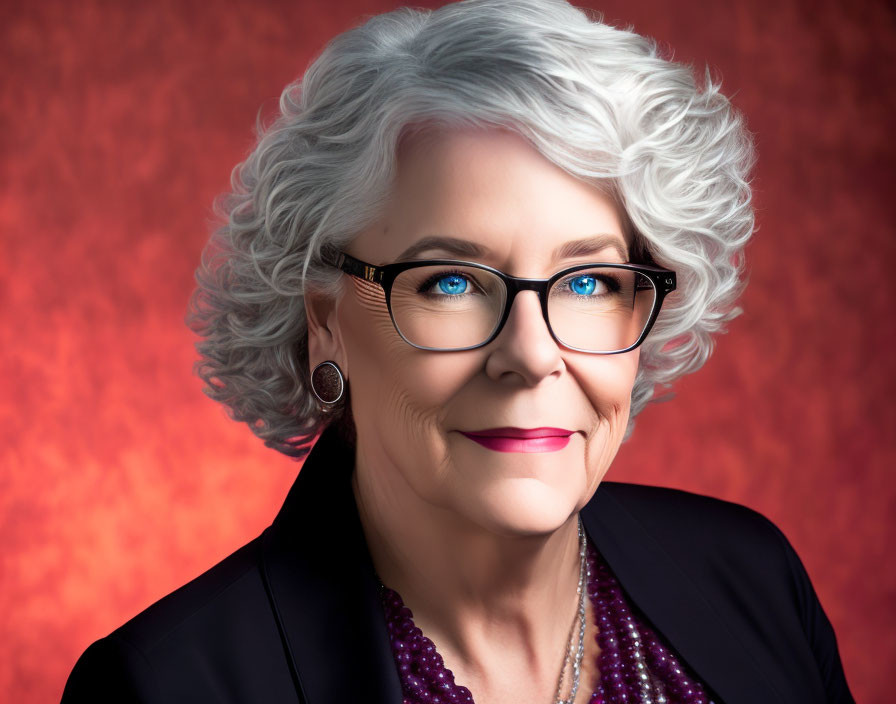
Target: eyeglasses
(445,305)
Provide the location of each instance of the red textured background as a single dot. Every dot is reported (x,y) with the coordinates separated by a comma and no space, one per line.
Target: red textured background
(120,481)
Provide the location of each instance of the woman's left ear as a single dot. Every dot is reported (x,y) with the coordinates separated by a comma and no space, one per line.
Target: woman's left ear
(324,334)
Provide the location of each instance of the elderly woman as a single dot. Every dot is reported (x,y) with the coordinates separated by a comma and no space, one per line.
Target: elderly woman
(465,255)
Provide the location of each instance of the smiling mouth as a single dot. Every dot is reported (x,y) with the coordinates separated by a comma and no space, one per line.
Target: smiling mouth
(521,439)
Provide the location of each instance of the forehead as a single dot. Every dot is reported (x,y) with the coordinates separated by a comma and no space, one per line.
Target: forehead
(493,190)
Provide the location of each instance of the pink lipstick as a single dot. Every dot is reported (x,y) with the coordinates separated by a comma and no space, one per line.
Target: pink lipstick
(521,439)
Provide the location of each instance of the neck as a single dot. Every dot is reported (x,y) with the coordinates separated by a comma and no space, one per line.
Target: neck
(470,587)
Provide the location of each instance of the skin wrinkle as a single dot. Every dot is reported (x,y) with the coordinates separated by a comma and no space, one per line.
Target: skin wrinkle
(481,545)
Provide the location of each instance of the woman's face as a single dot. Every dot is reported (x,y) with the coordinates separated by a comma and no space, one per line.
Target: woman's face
(411,407)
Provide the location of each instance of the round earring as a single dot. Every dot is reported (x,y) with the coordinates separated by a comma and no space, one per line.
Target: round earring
(327,382)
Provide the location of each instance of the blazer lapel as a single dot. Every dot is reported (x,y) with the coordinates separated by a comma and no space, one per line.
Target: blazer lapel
(323,590)
(674,604)
(322,586)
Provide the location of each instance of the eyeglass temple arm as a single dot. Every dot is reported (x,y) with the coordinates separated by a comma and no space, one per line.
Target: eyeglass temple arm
(350,265)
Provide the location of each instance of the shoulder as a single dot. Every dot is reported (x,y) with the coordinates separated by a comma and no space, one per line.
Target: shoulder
(161,653)
(671,501)
(742,563)
(708,521)
(738,565)
(721,545)
(737,557)
(231,584)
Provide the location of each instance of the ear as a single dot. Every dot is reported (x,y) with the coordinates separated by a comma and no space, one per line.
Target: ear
(324,334)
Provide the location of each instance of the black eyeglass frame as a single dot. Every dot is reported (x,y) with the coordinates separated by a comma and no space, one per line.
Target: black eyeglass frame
(663,281)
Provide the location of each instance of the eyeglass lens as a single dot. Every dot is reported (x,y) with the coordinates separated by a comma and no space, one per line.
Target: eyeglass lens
(601,309)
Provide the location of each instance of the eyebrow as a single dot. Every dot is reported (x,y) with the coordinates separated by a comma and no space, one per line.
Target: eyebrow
(469,249)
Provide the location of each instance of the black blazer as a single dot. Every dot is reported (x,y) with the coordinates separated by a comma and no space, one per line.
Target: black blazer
(294,615)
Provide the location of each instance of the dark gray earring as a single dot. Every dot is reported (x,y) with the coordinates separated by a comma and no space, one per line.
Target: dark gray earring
(327,382)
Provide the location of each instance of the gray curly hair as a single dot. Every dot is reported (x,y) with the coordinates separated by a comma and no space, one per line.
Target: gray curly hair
(598,101)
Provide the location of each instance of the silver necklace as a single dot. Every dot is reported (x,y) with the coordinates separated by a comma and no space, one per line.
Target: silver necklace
(580,617)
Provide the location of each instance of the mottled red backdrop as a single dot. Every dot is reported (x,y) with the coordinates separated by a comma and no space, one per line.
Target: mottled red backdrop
(119,480)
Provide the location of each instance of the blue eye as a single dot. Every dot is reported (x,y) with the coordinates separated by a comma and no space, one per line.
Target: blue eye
(583,285)
(452,284)
(448,284)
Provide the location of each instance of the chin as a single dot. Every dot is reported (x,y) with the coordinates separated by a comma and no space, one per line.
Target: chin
(526,506)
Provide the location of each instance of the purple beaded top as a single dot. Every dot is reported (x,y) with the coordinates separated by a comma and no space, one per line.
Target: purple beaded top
(635,667)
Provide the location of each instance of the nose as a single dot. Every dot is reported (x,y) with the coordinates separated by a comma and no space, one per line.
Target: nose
(524,348)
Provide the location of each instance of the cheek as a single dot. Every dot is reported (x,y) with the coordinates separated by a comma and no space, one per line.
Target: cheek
(388,377)
(607,381)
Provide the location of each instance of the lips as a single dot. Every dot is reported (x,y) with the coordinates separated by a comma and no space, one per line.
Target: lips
(521,433)
(521,439)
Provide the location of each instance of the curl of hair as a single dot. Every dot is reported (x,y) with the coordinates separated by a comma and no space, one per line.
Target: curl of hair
(600,102)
